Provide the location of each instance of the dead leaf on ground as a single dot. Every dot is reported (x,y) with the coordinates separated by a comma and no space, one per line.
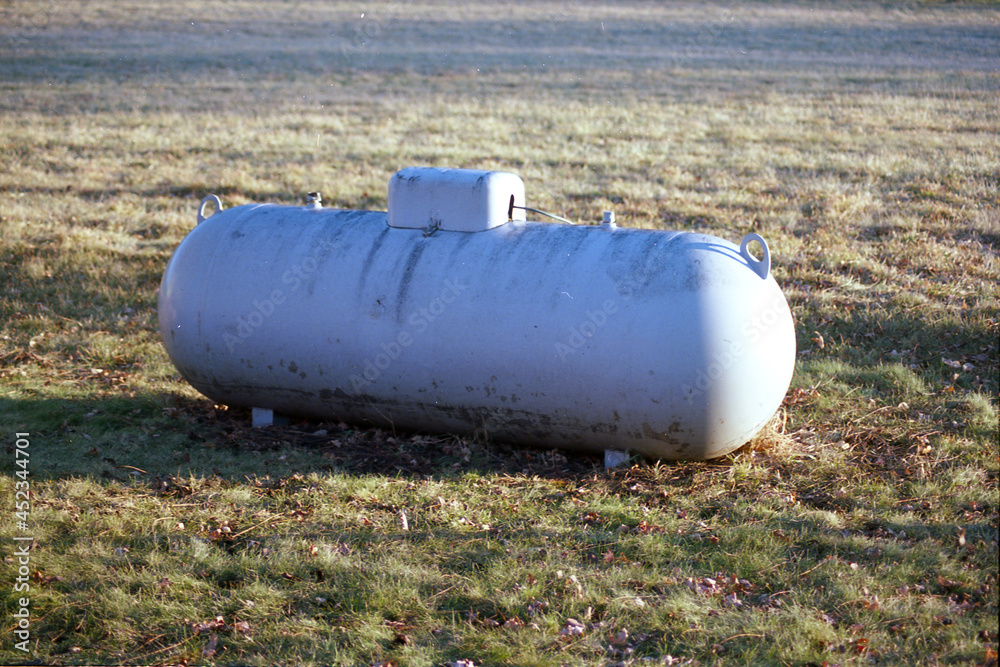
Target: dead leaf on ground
(513,623)
(209,626)
(621,638)
(209,650)
(43,579)
(574,628)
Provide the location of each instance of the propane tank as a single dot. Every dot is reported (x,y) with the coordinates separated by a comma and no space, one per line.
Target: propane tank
(453,313)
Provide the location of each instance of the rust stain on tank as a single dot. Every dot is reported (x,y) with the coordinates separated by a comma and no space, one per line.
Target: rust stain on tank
(648,431)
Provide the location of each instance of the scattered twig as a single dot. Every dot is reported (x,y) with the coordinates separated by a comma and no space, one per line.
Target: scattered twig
(742,634)
(257,525)
(442,592)
(821,563)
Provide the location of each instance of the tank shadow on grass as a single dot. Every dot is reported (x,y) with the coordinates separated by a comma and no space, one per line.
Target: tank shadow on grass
(169,436)
(163,437)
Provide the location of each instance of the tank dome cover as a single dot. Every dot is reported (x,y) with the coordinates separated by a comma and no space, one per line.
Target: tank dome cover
(456,200)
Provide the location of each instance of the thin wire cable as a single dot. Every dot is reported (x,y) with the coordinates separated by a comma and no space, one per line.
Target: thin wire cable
(550,215)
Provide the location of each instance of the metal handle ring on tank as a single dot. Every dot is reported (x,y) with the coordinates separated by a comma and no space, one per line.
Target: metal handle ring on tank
(762,267)
(213,199)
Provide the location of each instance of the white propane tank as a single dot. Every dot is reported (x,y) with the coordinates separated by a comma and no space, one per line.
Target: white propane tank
(452,313)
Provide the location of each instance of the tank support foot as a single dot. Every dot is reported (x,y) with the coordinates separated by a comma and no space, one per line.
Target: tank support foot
(614,458)
(265,417)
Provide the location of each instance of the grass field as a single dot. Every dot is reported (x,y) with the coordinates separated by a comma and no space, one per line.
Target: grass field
(862,140)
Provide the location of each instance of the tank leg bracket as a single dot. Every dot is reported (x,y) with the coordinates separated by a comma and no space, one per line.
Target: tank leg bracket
(614,458)
(265,417)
